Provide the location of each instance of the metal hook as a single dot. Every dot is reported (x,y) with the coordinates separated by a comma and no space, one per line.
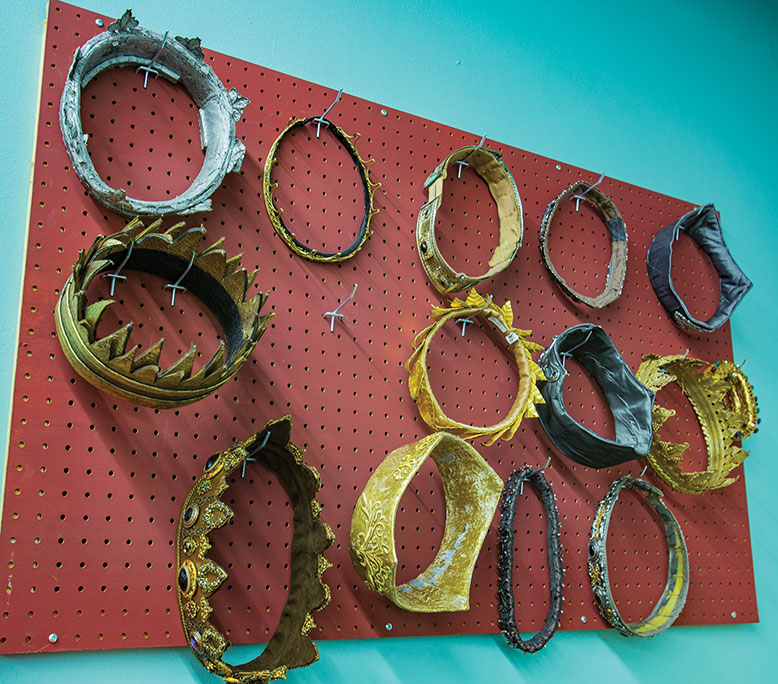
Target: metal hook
(321,120)
(685,354)
(547,462)
(582,196)
(569,352)
(465,321)
(177,285)
(642,472)
(463,162)
(334,314)
(679,225)
(115,275)
(249,458)
(740,366)
(149,68)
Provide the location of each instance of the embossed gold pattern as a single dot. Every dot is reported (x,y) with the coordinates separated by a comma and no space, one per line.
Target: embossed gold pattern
(199,576)
(527,394)
(725,405)
(472,490)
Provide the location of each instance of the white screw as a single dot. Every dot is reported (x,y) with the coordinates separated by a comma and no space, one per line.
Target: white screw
(53,638)
(734,614)
(558,167)
(583,618)
(388,626)
(99,22)
(383,112)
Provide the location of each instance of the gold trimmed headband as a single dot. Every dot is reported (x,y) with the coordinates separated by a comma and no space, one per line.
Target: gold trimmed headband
(368,187)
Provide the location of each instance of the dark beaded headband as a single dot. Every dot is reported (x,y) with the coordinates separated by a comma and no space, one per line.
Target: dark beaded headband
(506,604)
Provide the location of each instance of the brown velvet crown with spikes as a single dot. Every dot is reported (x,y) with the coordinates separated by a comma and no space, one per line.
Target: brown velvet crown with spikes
(135,376)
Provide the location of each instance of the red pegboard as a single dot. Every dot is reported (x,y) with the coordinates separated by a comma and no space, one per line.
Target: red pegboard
(94,485)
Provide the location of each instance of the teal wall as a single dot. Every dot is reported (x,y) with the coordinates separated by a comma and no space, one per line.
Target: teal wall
(680,97)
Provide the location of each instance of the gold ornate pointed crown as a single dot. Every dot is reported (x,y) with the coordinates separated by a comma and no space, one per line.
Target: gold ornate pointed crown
(725,405)
(199,577)
(135,376)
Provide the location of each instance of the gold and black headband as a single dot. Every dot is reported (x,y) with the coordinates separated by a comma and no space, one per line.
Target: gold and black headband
(673,598)
(276,217)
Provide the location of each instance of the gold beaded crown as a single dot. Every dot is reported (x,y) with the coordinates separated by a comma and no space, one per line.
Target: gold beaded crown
(725,405)
(135,376)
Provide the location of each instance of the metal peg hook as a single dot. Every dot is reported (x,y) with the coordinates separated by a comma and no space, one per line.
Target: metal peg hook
(177,285)
(642,472)
(115,275)
(463,162)
(547,463)
(149,68)
(321,119)
(582,196)
(465,321)
(569,352)
(680,225)
(249,458)
(334,314)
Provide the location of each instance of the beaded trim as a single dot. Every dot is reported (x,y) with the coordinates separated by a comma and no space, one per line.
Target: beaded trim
(505,596)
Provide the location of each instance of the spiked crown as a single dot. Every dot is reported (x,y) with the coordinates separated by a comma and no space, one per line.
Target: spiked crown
(135,376)
(725,405)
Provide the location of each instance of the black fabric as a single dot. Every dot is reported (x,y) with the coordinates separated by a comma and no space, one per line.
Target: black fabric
(704,227)
(206,288)
(630,402)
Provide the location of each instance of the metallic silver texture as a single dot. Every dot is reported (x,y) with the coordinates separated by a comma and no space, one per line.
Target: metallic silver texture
(179,61)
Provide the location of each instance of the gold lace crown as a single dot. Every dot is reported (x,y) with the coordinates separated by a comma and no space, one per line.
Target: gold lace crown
(136,376)
(724,402)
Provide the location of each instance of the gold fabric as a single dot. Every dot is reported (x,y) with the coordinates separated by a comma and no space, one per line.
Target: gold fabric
(527,394)
(472,490)
(725,405)
(198,576)
(490,166)
(135,376)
